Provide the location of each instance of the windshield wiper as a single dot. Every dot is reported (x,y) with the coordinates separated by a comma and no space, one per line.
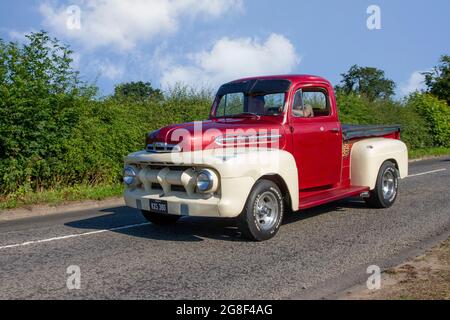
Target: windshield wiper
(245,114)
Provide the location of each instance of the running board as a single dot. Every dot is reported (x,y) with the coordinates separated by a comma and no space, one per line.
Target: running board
(332,195)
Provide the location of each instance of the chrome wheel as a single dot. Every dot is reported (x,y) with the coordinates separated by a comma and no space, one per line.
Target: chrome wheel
(386,188)
(389,185)
(263,212)
(266,211)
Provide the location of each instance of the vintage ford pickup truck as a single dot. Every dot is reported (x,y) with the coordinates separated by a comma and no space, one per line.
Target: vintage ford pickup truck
(271,145)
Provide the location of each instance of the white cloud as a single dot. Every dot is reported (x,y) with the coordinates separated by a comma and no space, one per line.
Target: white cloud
(110,70)
(20,36)
(234,58)
(125,23)
(415,83)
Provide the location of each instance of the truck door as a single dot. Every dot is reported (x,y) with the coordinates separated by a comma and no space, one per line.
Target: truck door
(317,137)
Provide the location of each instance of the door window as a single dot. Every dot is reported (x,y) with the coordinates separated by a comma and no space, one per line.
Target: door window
(311,103)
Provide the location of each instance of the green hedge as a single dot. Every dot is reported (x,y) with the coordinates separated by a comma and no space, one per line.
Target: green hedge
(417,129)
(100,134)
(436,113)
(85,142)
(109,130)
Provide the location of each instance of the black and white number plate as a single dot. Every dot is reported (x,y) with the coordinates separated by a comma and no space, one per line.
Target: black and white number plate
(158,206)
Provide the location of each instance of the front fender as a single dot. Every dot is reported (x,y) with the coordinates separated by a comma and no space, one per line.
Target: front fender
(255,165)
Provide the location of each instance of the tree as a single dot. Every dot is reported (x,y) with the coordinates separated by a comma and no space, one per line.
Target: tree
(39,96)
(138,91)
(368,82)
(438,80)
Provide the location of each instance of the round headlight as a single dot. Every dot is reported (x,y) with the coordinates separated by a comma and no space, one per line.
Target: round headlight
(205,181)
(129,176)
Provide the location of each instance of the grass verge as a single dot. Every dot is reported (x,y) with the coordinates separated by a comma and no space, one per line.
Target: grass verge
(428,152)
(424,278)
(61,195)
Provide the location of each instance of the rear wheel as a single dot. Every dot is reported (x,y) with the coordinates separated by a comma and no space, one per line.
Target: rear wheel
(159,218)
(263,212)
(386,189)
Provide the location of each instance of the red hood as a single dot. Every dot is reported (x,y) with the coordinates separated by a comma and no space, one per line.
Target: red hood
(202,134)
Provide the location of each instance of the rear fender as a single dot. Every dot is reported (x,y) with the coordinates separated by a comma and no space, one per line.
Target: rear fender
(368,155)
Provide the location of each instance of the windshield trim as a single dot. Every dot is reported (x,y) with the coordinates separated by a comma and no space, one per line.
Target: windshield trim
(245,113)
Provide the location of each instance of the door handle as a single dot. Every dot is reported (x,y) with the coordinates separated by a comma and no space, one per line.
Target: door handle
(335,130)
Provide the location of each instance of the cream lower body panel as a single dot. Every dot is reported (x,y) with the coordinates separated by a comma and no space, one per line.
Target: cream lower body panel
(229,205)
(243,164)
(368,155)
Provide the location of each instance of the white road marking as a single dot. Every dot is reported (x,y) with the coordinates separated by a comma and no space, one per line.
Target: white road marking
(73,236)
(424,173)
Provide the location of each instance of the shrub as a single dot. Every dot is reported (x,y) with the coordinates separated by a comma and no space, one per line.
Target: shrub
(416,131)
(354,109)
(436,113)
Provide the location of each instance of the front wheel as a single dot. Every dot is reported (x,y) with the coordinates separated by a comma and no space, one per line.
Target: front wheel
(159,218)
(386,189)
(263,212)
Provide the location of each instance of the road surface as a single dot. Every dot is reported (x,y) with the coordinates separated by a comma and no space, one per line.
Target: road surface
(317,253)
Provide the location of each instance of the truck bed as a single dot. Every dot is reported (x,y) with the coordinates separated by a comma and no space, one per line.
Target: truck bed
(350,131)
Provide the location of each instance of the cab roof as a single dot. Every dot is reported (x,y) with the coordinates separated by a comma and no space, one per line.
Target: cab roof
(293,78)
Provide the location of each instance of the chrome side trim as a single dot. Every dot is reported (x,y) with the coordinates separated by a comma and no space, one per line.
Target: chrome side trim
(246,139)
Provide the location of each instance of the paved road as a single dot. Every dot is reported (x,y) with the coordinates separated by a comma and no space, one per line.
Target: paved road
(320,251)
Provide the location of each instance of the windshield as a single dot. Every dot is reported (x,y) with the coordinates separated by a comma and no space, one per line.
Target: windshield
(237,104)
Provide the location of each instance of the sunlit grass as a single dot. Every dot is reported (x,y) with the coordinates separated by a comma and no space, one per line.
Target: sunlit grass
(61,195)
(426,152)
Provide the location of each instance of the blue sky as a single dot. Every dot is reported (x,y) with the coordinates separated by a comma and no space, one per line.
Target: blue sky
(206,42)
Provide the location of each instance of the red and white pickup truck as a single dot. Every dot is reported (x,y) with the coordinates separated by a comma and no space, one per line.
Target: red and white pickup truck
(271,145)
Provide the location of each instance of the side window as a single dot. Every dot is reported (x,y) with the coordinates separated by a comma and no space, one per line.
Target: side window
(311,103)
(317,100)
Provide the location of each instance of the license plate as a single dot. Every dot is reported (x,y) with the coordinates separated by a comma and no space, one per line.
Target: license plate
(158,206)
